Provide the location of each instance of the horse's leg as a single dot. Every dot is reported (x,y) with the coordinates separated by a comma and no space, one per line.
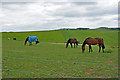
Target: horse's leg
(74,45)
(99,47)
(30,43)
(103,49)
(71,45)
(89,48)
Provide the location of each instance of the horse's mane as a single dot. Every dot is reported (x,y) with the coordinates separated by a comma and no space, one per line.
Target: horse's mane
(68,43)
(26,40)
(68,40)
(88,38)
(85,41)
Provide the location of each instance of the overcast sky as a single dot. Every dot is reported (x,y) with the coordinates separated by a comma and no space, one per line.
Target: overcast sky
(37,15)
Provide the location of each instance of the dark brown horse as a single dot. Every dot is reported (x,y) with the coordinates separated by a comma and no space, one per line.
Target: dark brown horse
(93,41)
(72,41)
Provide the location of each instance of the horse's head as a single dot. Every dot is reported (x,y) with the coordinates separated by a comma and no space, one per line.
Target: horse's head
(25,43)
(83,49)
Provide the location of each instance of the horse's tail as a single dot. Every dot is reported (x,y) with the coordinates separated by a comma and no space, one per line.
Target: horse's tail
(103,46)
(26,40)
(77,43)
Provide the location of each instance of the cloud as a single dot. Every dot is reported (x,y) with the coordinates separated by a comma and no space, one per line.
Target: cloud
(21,16)
(84,3)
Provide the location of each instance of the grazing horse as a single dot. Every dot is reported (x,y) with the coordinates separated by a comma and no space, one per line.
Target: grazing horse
(8,38)
(14,38)
(30,39)
(72,41)
(93,41)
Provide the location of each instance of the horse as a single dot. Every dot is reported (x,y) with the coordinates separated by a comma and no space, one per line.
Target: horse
(14,38)
(72,41)
(8,38)
(93,41)
(31,39)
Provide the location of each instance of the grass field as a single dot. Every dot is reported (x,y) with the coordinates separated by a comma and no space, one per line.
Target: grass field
(48,60)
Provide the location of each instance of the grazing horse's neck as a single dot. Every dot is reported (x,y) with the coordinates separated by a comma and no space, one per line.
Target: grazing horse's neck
(67,44)
(83,46)
(84,43)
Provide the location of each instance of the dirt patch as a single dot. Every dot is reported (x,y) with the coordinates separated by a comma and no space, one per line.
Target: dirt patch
(63,43)
(58,43)
(109,61)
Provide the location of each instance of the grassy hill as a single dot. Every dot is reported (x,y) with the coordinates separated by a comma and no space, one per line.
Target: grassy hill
(43,36)
(48,60)
(64,35)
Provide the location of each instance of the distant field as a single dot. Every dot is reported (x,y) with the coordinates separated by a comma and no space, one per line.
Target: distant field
(51,60)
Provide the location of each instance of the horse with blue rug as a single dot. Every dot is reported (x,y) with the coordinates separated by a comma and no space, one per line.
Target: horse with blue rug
(31,39)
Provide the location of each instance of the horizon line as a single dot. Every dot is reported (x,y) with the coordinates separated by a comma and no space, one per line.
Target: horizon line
(55,29)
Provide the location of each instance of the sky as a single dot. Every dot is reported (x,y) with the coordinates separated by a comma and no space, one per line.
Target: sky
(38,15)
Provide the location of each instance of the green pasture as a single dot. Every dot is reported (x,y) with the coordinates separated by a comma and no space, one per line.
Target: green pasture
(50,58)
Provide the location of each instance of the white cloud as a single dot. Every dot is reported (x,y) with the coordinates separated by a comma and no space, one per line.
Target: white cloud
(21,16)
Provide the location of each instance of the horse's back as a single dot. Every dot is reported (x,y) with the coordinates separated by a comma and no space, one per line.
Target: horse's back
(32,38)
(72,40)
(93,41)
(100,40)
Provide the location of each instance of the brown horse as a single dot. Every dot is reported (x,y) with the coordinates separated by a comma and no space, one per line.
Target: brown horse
(72,41)
(93,41)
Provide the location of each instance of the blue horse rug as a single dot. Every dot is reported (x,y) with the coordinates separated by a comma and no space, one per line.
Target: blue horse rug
(32,38)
